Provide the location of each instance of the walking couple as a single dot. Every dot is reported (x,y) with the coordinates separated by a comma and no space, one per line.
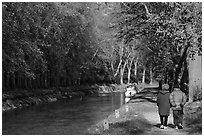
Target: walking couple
(175,100)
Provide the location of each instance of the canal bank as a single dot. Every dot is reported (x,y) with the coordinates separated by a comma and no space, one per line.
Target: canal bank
(22,98)
(63,117)
(130,118)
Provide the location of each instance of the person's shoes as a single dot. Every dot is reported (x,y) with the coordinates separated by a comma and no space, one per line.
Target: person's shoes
(176,127)
(162,126)
(165,127)
(180,126)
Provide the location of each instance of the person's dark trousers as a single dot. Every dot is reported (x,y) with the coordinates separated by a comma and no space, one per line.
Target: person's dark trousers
(178,117)
(163,120)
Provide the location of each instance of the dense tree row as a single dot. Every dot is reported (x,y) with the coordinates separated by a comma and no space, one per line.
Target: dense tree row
(63,44)
(47,44)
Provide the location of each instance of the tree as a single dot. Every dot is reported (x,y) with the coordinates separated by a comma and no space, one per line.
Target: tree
(62,44)
(45,42)
(169,30)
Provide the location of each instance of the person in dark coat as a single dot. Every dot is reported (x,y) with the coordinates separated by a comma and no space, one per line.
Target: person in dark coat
(163,103)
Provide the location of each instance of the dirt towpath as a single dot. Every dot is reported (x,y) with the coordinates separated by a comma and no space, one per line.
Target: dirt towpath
(145,103)
(139,116)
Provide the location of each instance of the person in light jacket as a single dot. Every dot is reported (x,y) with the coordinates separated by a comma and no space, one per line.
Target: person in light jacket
(163,104)
(178,100)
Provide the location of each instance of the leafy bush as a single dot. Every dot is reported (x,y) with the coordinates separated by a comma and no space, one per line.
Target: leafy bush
(197,94)
(195,123)
(193,117)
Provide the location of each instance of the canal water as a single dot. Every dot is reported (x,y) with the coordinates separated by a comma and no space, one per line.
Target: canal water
(65,117)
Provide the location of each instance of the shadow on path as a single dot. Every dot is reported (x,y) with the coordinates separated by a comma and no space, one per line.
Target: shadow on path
(149,111)
(169,125)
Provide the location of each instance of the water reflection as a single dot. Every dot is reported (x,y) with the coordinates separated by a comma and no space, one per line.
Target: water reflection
(64,117)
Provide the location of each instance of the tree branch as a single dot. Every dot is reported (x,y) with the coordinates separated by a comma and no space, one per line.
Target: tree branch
(146,9)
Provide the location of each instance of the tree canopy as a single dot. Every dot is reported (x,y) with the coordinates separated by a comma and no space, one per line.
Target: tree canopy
(63,44)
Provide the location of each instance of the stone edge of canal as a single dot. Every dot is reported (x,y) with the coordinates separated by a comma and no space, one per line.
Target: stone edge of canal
(18,99)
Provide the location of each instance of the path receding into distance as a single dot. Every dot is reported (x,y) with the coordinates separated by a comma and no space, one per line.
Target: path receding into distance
(145,104)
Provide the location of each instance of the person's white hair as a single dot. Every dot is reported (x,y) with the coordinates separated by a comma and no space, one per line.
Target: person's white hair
(165,87)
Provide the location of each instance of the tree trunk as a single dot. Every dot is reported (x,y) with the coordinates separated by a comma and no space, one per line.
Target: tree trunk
(19,80)
(121,56)
(7,80)
(121,76)
(25,82)
(38,81)
(116,73)
(143,74)
(129,69)
(129,73)
(184,80)
(48,79)
(135,72)
(180,64)
(195,76)
(122,70)
(69,81)
(45,78)
(112,68)
(79,80)
(3,80)
(65,81)
(56,79)
(42,80)
(151,76)
(30,82)
(13,81)
(34,83)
